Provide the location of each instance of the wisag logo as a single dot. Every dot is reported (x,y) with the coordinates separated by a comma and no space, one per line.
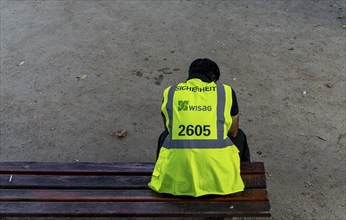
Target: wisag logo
(183,105)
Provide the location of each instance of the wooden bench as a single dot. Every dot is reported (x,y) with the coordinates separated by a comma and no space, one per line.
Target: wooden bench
(36,189)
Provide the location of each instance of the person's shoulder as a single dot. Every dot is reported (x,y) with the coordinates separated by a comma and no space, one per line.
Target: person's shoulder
(174,85)
(226,86)
(169,87)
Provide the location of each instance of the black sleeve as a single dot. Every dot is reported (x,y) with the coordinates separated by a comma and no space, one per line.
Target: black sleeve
(234,109)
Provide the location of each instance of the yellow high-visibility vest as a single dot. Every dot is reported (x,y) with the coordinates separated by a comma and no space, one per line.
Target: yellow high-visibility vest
(197,158)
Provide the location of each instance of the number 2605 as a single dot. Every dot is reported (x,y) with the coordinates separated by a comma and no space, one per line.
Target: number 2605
(197,130)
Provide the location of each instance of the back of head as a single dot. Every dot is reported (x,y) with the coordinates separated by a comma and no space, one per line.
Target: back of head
(206,67)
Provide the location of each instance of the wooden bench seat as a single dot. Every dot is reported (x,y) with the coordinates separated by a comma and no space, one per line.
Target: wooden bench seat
(36,189)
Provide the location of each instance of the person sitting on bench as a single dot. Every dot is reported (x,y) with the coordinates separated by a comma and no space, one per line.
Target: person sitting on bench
(199,152)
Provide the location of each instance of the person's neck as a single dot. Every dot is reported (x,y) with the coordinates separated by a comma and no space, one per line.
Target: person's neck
(199,76)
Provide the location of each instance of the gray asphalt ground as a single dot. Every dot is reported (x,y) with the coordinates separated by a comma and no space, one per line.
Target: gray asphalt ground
(284,59)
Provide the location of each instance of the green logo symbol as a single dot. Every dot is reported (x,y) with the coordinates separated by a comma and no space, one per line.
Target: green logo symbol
(182,105)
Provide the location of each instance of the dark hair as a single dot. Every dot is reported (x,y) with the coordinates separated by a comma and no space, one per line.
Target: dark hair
(206,67)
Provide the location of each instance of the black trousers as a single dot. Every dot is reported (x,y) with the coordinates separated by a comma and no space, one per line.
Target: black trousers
(239,141)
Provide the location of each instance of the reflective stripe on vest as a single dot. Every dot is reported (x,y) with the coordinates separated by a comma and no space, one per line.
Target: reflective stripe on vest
(219,143)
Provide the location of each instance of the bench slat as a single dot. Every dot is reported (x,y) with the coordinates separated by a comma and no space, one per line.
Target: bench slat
(121,196)
(85,168)
(136,209)
(74,182)
(98,182)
